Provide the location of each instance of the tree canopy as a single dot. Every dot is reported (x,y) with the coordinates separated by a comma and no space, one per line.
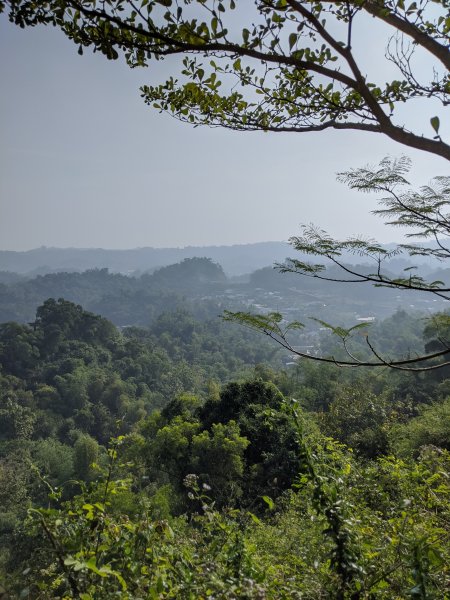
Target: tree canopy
(294,67)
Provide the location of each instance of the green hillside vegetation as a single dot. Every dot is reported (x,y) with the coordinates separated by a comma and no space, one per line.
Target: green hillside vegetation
(200,286)
(124,300)
(160,463)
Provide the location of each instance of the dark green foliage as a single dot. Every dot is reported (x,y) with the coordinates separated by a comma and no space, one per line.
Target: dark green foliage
(19,350)
(249,422)
(17,418)
(350,532)
(430,428)
(61,320)
(323,522)
(360,419)
(237,399)
(123,300)
(85,453)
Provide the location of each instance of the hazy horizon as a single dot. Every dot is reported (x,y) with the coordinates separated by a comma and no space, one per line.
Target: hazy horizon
(173,247)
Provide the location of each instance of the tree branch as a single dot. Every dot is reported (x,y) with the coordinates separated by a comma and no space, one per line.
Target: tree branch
(397,364)
(378,10)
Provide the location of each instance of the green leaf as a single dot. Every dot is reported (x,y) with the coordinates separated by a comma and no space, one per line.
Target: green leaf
(270,503)
(254,518)
(292,40)
(435,123)
(295,325)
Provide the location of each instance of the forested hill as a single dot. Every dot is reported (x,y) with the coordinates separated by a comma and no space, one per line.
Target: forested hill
(236,260)
(202,287)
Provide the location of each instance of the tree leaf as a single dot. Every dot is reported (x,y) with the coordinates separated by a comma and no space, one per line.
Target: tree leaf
(435,123)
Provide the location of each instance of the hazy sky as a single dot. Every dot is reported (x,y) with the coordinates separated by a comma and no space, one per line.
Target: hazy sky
(84,163)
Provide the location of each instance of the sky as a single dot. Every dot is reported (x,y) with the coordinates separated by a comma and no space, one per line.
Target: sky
(85,163)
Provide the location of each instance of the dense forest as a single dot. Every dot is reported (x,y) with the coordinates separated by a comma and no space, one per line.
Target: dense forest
(202,287)
(155,451)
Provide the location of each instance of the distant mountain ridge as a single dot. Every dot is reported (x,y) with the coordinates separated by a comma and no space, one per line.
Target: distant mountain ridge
(236,260)
(239,259)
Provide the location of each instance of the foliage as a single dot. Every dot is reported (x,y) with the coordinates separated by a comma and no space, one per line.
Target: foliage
(430,428)
(95,550)
(423,211)
(349,531)
(188,275)
(359,419)
(326,523)
(273,508)
(124,300)
(294,66)
(242,444)
(396,530)
(86,453)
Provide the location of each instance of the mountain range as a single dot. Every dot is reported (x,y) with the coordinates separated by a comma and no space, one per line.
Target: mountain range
(237,260)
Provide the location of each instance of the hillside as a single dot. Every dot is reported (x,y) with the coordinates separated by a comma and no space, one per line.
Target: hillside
(236,260)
